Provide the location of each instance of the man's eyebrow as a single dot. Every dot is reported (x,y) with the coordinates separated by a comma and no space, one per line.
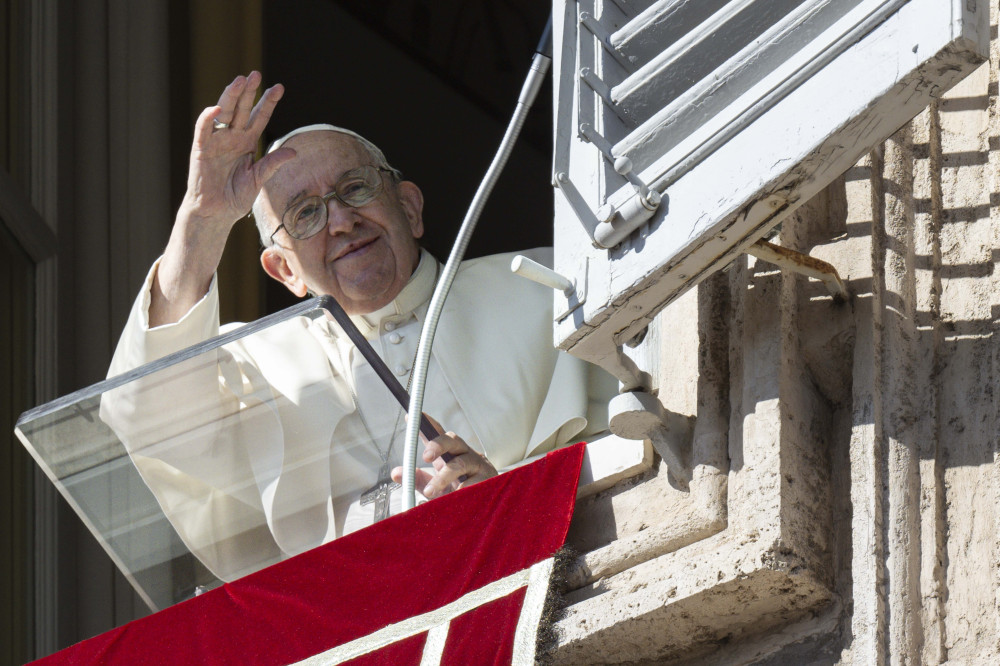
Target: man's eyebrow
(301,194)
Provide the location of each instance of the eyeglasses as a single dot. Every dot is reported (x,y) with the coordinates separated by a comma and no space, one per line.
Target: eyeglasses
(356,188)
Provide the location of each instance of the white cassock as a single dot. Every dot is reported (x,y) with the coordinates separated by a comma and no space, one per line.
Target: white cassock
(260,453)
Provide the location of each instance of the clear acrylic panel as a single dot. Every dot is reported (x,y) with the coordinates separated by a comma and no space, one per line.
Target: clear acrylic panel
(160,464)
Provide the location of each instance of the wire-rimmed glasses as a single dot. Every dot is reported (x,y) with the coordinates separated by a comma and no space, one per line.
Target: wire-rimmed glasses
(356,188)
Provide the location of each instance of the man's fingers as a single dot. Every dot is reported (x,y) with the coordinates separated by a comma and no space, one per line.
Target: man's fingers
(464,466)
(467,468)
(265,167)
(244,101)
(433,422)
(236,104)
(455,463)
(420,479)
(229,98)
(204,126)
(261,113)
(446,443)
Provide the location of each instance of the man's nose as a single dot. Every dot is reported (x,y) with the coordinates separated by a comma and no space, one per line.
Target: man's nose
(340,218)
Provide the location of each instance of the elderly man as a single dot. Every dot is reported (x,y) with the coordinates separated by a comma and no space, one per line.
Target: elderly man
(317,434)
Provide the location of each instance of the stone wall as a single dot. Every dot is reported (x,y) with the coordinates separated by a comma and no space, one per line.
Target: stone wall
(842,502)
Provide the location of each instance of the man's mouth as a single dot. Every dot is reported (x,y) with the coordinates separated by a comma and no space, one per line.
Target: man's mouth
(353,248)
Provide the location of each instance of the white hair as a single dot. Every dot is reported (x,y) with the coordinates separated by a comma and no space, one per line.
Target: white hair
(376,154)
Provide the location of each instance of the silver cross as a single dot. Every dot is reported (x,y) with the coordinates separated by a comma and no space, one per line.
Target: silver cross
(379,493)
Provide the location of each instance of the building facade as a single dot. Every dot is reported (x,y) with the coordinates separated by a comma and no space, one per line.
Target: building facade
(842,499)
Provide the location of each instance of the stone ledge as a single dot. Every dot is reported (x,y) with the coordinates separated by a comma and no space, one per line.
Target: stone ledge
(690,601)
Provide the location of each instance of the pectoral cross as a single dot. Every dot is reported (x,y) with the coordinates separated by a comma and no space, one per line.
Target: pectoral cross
(379,493)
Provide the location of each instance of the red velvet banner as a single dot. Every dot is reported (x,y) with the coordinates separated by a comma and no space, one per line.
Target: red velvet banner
(396,573)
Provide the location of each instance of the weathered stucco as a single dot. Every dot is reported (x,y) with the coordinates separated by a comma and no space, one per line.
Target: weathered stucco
(844,503)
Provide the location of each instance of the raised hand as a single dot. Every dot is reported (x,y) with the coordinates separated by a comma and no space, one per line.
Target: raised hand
(223,178)
(223,181)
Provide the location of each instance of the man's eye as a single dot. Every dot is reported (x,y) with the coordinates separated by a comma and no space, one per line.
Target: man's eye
(306,213)
(353,188)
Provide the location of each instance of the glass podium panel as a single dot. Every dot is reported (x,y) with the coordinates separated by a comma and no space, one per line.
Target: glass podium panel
(212,462)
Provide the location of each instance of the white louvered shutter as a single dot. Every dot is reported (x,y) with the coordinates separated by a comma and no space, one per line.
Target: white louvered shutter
(685,130)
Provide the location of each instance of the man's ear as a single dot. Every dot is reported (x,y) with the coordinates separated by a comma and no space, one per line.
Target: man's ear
(412,200)
(275,265)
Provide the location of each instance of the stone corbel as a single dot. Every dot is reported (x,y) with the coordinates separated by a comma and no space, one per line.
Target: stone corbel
(640,415)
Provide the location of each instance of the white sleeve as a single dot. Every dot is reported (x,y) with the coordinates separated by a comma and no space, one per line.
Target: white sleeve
(182,427)
(141,344)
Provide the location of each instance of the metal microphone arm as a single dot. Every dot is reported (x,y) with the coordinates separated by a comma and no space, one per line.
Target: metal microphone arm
(536,75)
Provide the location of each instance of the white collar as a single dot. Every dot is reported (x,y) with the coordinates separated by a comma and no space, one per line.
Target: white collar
(417,291)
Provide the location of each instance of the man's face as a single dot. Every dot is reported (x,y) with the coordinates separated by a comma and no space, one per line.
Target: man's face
(365,256)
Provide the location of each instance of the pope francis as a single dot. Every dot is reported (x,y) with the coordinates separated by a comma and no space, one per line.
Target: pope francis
(315,436)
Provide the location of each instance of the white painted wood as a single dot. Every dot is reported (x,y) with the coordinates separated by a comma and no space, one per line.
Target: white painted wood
(609,460)
(692,57)
(660,26)
(634,6)
(778,150)
(789,56)
(731,80)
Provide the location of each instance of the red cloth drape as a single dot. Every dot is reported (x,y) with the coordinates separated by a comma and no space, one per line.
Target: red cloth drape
(402,567)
